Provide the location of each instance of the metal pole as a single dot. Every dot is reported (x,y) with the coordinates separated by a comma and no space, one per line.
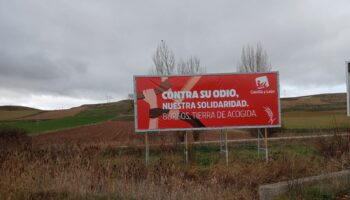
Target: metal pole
(226,147)
(147,149)
(266,147)
(221,141)
(259,142)
(186,148)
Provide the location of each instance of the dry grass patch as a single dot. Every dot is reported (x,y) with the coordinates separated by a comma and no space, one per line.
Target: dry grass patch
(96,171)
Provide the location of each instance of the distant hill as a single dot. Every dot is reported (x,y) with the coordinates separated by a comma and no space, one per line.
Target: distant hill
(38,121)
(323,111)
(320,102)
(16,108)
(126,103)
(15,112)
(306,112)
(304,103)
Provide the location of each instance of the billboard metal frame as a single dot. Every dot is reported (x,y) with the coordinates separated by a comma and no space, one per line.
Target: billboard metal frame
(206,128)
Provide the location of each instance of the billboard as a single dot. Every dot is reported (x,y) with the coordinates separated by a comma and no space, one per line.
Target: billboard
(210,101)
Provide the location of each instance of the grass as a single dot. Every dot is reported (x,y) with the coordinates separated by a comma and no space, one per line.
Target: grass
(321,191)
(317,107)
(92,115)
(334,148)
(41,126)
(107,197)
(315,112)
(207,155)
(315,120)
(98,171)
(64,195)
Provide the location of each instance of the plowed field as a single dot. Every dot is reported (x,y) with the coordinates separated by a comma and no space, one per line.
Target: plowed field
(112,131)
(122,133)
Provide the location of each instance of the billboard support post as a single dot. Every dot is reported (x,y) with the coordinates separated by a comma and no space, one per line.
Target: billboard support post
(147,149)
(221,141)
(266,147)
(186,148)
(226,146)
(259,142)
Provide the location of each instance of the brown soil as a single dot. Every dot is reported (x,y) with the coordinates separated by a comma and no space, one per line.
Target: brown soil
(16,114)
(122,133)
(55,114)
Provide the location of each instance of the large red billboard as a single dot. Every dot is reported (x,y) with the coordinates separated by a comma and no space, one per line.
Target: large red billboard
(209,101)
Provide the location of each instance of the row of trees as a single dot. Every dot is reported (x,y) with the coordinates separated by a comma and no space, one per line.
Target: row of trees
(165,63)
(253,59)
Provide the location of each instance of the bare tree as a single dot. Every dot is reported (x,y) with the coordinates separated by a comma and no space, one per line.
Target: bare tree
(254,59)
(164,64)
(191,66)
(164,60)
(130,96)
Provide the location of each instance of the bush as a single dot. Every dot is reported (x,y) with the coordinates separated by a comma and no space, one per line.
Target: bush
(196,135)
(271,131)
(13,138)
(334,147)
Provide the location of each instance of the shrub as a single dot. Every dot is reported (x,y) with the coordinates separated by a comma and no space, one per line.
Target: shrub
(13,138)
(333,147)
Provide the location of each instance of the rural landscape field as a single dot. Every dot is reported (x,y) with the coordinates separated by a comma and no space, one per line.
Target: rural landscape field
(92,152)
(174,100)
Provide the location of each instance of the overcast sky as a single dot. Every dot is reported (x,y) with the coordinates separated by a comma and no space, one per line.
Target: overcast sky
(63,53)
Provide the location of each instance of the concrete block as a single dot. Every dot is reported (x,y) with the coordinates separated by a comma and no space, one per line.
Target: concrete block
(268,192)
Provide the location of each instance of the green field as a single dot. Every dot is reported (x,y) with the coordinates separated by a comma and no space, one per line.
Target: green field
(315,112)
(315,120)
(93,114)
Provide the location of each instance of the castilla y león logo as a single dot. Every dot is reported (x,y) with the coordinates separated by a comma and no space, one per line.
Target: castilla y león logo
(262,82)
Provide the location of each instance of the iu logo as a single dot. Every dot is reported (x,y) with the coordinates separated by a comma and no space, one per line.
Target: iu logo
(262,82)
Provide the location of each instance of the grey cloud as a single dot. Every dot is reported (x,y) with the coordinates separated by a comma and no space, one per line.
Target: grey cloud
(87,49)
(29,67)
